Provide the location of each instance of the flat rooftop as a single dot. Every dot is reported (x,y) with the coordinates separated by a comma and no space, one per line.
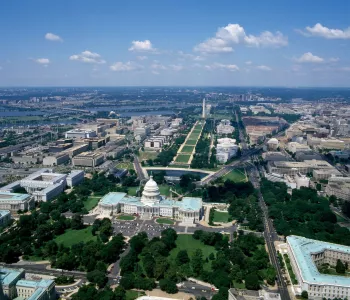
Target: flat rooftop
(4,213)
(7,196)
(7,276)
(302,249)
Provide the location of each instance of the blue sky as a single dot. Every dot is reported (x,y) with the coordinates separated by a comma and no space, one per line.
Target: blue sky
(160,42)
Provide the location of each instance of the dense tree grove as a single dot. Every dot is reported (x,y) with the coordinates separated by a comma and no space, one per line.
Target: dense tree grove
(303,213)
(89,292)
(243,203)
(187,181)
(149,260)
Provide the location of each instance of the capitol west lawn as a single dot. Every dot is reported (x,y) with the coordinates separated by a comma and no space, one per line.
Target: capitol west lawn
(72,237)
(187,242)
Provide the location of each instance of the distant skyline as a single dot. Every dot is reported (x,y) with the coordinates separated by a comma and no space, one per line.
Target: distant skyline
(175,43)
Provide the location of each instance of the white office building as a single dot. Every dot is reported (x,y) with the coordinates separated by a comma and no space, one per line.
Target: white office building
(306,255)
(225,127)
(226,149)
(14,201)
(80,134)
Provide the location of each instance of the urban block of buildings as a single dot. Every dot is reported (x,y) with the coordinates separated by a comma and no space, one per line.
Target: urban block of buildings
(307,166)
(151,204)
(43,185)
(15,286)
(306,255)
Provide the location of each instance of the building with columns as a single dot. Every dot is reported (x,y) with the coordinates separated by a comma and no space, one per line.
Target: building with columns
(152,204)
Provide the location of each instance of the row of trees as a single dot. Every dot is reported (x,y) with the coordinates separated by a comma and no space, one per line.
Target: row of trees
(149,260)
(303,213)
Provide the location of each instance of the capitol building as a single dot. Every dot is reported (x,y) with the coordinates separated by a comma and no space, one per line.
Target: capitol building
(151,204)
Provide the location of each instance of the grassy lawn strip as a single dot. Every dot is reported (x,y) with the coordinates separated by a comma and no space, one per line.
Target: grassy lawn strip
(290,269)
(194,136)
(238,285)
(132,295)
(191,142)
(220,216)
(91,202)
(125,165)
(341,219)
(125,218)
(188,149)
(187,242)
(165,221)
(132,190)
(72,237)
(164,189)
(236,175)
(183,158)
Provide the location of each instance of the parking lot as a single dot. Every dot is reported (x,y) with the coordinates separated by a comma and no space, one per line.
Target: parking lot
(130,228)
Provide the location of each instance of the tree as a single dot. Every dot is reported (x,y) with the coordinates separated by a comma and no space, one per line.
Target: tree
(197,262)
(212,255)
(182,258)
(119,293)
(97,277)
(169,237)
(127,281)
(304,295)
(340,268)
(86,292)
(77,222)
(168,286)
(252,282)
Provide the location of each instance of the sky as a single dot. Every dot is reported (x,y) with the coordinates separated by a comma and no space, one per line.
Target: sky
(175,43)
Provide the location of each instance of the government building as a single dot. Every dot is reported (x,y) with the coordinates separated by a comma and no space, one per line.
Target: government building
(305,257)
(152,204)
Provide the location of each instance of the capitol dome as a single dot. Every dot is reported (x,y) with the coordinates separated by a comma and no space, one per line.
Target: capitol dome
(150,194)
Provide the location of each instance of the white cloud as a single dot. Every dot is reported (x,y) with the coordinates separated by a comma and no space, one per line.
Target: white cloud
(157,66)
(232,34)
(141,57)
(296,68)
(219,66)
(346,69)
(248,62)
(42,61)
(176,67)
(155,72)
(334,59)
(308,57)
(125,67)
(88,57)
(53,37)
(264,68)
(190,56)
(213,45)
(142,46)
(325,32)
